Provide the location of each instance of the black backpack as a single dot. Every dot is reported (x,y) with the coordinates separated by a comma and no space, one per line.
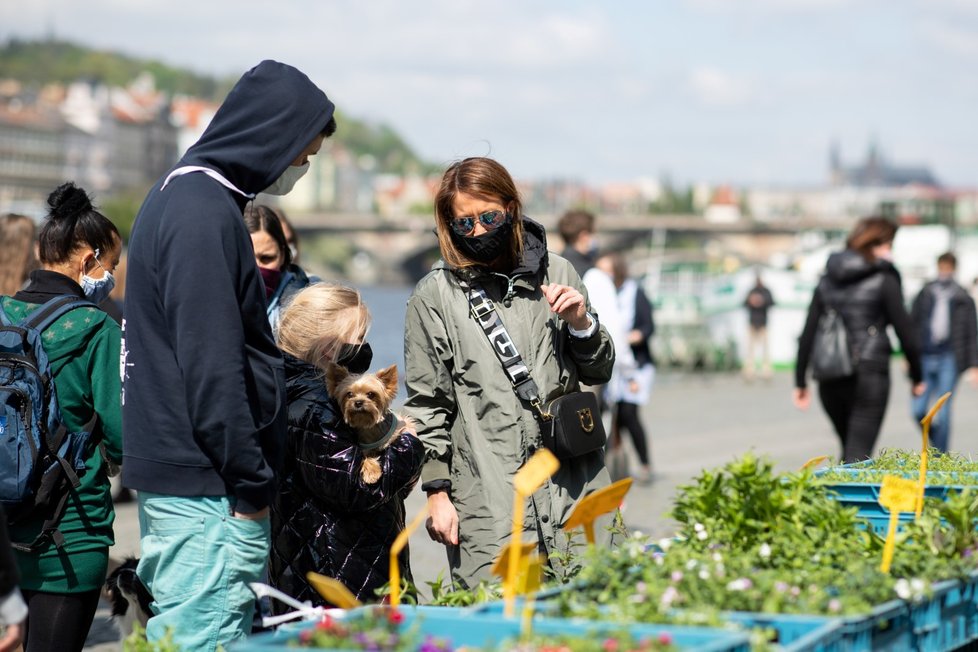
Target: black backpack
(40,460)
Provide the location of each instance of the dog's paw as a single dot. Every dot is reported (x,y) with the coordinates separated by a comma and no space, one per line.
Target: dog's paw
(370,470)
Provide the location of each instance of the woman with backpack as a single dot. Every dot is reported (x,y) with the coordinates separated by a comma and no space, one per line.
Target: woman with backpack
(62,572)
(862,286)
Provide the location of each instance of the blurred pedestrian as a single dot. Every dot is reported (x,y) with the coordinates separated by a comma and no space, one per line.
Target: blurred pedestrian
(862,285)
(325,518)
(477,430)
(62,580)
(281,277)
(630,386)
(577,229)
(944,314)
(18,256)
(204,382)
(758,303)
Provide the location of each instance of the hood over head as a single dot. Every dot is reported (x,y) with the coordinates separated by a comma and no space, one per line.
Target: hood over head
(848,266)
(272,113)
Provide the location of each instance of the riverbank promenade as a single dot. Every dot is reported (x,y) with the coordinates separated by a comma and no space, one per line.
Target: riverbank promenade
(694,422)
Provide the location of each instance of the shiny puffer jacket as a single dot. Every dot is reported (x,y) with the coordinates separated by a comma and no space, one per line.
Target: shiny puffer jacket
(325,518)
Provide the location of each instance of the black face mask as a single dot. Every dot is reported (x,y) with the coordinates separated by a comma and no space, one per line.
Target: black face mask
(484,248)
(355,357)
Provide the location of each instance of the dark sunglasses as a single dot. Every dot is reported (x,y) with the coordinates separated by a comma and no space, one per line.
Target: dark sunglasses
(490,219)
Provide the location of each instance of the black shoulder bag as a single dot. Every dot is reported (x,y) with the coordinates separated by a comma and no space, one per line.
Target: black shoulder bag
(570,425)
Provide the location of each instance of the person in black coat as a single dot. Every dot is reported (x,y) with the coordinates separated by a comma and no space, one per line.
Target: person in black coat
(325,518)
(863,286)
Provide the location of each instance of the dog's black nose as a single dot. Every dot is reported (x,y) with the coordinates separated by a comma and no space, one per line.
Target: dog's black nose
(358,404)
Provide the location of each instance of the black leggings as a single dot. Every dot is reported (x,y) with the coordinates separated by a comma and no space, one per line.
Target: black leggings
(629,420)
(59,621)
(856,406)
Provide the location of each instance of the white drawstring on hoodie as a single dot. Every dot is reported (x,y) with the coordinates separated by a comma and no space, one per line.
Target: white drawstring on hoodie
(213,174)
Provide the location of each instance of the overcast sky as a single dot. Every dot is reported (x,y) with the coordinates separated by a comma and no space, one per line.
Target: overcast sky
(740,91)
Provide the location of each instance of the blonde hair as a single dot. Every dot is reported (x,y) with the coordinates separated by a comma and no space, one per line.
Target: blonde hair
(318,318)
(17,257)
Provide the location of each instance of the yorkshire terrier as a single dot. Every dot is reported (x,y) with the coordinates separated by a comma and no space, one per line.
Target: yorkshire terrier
(364,401)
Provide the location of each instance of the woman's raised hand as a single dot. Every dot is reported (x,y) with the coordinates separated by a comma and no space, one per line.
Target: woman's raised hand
(569,305)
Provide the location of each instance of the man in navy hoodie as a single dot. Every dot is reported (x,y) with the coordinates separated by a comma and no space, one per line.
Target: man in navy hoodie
(203,382)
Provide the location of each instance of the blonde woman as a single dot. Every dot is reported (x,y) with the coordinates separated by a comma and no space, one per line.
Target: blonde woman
(325,518)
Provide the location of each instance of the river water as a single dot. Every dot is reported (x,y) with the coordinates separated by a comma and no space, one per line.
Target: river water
(387,306)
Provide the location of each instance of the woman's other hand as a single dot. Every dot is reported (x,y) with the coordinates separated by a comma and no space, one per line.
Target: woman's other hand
(442,523)
(802,398)
(569,305)
(918,389)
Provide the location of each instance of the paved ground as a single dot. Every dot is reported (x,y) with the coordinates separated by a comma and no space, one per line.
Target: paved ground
(694,422)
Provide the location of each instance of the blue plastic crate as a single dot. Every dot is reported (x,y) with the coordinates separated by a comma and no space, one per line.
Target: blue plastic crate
(470,628)
(864,496)
(796,633)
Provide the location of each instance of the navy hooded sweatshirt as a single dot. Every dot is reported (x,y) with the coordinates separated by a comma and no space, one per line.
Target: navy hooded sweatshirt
(203,382)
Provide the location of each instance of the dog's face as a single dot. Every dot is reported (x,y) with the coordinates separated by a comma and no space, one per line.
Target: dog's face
(363,398)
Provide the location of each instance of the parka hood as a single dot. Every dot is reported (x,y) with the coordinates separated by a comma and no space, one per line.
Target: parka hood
(271,115)
(845,267)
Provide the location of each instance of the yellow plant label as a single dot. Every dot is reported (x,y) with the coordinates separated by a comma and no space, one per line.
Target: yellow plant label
(531,574)
(501,565)
(898,494)
(815,461)
(535,472)
(602,501)
(396,548)
(333,591)
(925,422)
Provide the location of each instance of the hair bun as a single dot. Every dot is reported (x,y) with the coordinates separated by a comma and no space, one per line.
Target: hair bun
(68,201)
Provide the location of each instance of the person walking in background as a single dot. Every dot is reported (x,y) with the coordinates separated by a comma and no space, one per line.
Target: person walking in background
(79,250)
(282,278)
(325,518)
(758,303)
(204,387)
(945,317)
(576,228)
(18,257)
(630,387)
(862,285)
(477,431)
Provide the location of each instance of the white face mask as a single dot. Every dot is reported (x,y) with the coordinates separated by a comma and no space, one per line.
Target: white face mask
(284,184)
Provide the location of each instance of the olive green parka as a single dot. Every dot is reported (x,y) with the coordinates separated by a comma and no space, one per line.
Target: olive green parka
(476,431)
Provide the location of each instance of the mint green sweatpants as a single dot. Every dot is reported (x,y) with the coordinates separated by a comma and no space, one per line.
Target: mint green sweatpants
(197,560)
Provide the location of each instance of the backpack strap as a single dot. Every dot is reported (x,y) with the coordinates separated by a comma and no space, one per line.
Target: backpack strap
(52,310)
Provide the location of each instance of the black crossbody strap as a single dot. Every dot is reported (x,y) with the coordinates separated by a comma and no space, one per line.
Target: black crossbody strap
(483,310)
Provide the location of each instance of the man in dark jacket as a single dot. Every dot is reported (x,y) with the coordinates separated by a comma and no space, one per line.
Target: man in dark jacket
(203,393)
(945,317)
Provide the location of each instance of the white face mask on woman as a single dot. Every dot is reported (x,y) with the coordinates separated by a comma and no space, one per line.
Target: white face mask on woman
(284,184)
(97,290)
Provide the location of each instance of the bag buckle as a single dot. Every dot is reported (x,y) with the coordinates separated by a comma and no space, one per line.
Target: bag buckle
(544,414)
(587,419)
(482,309)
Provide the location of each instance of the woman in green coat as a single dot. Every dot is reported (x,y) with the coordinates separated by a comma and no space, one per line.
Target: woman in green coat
(477,431)
(79,249)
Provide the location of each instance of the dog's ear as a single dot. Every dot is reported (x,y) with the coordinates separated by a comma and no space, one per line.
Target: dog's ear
(335,374)
(388,376)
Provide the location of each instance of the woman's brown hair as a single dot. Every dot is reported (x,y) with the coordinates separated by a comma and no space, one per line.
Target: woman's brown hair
(17,258)
(870,232)
(484,178)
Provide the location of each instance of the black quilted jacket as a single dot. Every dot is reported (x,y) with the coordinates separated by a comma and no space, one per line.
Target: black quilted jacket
(324,518)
